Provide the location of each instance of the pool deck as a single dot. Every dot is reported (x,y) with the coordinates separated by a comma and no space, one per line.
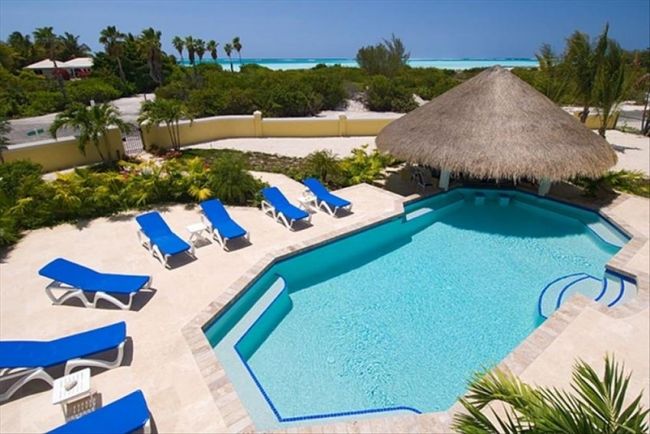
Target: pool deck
(185,389)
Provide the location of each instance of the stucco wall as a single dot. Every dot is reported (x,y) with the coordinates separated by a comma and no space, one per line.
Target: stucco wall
(63,153)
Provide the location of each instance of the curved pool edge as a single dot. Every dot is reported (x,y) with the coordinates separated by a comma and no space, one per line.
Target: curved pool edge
(235,414)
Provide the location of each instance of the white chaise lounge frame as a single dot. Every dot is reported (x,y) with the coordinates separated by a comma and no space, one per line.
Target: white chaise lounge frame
(25,375)
(155,251)
(332,212)
(215,233)
(71,292)
(269,209)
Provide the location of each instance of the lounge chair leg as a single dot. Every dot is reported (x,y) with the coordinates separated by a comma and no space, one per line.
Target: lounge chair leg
(70,293)
(97,363)
(26,377)
(113,300)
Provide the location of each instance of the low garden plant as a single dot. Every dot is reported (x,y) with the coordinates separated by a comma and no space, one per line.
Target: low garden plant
(27,201)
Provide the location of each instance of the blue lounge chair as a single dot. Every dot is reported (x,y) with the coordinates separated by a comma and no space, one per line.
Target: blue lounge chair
(156,236)
(277,206)
(27,360)
(123,416)
(219,222)
(77,280)
(324,199)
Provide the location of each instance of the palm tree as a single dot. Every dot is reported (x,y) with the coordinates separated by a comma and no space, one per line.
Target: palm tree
(583,61)
(212,48)
(5,127)
(167,111)
(179,44)
(113,41)
(92,124)
(611,83)
(199,46)
(71,48)
(22,45)
(45,38)
(595,405)
(149,41)
(552,78)
(236,43)
(228,49)
(191,48)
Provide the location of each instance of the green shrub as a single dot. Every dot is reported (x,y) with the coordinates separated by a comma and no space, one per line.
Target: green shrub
(623,180)
(41,102)
(384,94)
(231,182)
(324,166)
(363,166)
(82,91)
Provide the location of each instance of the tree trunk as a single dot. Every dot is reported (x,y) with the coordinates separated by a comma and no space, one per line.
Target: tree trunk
(584,114)
(645,119)
(120,69)
(99,150)
(59,79)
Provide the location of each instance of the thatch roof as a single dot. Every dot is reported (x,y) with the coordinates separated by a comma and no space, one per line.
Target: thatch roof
(496,126)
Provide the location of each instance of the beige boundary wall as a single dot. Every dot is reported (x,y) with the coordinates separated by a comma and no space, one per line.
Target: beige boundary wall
(64,154)
(223,127)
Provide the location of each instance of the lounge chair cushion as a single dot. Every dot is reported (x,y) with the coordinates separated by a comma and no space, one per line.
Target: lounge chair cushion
(275,197)
(323,194)
(221,220)
(86,279)
(41,354)
(123,416)
(155,228)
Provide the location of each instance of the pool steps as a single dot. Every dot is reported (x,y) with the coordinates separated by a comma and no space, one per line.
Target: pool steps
(417,213)
(611,290)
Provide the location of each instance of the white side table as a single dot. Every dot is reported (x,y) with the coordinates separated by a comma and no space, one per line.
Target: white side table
(196,231)
(74,394)
(308,202)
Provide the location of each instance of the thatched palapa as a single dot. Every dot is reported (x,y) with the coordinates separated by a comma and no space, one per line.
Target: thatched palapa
(496,126)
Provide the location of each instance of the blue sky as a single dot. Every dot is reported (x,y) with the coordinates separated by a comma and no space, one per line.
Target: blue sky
(336,28)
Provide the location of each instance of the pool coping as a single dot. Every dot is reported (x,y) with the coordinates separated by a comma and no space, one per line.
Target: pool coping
(233,411)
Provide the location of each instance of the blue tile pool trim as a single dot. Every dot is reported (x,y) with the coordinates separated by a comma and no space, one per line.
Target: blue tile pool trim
(548,285)
(307,417)
(563,291)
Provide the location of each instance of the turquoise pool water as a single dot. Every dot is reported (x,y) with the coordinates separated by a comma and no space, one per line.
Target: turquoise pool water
(302,63)
(399,316)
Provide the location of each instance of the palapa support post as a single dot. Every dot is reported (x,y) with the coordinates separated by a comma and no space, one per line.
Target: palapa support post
(443,182)
(544,187)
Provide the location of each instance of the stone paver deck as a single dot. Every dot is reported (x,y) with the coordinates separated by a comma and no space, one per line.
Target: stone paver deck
(165,362)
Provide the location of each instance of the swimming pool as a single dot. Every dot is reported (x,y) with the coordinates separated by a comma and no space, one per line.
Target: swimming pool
(396,318)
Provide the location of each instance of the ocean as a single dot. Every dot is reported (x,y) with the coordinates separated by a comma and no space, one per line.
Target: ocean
(306,63)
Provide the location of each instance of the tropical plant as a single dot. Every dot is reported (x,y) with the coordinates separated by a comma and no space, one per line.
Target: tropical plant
(23,48)
(236,44)
(583,61)
(323,165)
(191,49)
(150,46)
(212,48)
(71,48)
(386,58)
(113,41)
(5,128)
(362,166)
(169,112)
(610,84)
(622,180)
(228,49)
(552,80)
(384,94)
(179,44)
(594,405)
(92,124)
(199,46)
(46,40)
(231,182)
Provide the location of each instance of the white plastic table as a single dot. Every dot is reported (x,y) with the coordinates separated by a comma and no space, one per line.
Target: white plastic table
(196,231)
(74,394)
(308,202)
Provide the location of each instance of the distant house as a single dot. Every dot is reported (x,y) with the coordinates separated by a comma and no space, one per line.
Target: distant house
(76,68)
